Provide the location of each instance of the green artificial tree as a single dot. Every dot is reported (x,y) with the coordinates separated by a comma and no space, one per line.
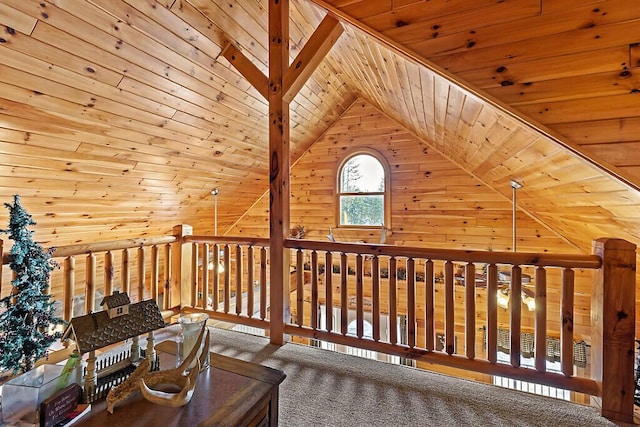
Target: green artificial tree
(25,323)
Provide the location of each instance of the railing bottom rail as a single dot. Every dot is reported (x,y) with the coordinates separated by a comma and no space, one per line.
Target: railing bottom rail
(581,385)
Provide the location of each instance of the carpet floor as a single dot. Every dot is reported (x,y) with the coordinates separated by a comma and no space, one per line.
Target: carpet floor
(325,388)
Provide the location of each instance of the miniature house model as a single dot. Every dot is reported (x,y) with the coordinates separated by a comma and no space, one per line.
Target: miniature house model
(119,321)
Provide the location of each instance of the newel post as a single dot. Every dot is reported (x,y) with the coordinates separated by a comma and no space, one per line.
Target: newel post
(613,327)
(181,268)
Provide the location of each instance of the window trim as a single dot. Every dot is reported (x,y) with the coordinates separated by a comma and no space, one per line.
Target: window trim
(386,193)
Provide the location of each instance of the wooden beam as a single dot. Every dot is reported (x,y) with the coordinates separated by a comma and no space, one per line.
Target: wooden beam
(279,168)
(247,68)
(313,52)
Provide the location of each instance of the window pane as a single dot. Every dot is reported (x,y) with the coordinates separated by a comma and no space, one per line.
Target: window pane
(362,173)
(362,210)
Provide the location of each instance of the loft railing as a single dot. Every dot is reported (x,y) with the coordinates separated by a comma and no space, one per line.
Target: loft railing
(227,278)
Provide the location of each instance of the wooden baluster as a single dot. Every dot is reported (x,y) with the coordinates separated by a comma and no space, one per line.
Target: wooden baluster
(516,314)
(541,320)
(108,273)
(449,311)
(227,278)
(375,296)
(155,273)
(300,287)
(566,333)
(411,303)
(492,313)
(215,258)
(196,293)
(328,281)
(141,273)
(429,306)
(263,283)
(250,290)
(359,298)
(69,286)
(344,312)
(126,271)
(90,289)
(239,274)
(470,310)
(315,305)
(393,316)
(167,277)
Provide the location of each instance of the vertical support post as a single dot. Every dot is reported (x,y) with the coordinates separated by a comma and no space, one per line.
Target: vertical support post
(613,316)
(279,168)
(181,294)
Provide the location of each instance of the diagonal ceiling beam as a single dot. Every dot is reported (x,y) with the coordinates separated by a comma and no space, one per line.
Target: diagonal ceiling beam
(247,68)
(311,55)
(313,52)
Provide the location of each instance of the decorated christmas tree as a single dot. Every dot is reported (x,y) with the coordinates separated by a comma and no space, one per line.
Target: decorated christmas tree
(27,312)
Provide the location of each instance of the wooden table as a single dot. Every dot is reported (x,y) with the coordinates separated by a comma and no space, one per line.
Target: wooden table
(230,392)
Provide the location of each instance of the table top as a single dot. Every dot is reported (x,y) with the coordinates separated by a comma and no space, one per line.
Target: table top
(224,392)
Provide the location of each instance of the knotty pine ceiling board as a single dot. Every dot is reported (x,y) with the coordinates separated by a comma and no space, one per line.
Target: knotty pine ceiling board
(491,142)
(126,106)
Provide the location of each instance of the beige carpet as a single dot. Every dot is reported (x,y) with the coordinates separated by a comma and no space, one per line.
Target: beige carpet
(324,388)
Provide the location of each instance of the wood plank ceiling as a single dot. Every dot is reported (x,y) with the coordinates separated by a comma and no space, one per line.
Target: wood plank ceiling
(118,117)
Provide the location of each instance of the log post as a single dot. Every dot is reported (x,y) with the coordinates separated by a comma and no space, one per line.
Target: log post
(279,168)
(180,292)
(613,327)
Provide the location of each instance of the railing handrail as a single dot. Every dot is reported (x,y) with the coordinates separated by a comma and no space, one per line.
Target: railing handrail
(249,241)
(456,255)
(112,245)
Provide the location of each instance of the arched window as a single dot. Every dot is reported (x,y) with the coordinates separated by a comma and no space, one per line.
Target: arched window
(363,185)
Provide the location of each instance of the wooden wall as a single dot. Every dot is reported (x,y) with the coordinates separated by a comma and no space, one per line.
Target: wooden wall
(434,202)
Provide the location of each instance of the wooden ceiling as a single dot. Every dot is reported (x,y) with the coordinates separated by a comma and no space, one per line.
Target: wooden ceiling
(118,117)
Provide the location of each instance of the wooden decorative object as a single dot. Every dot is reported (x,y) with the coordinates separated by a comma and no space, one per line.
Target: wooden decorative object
(144,380)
